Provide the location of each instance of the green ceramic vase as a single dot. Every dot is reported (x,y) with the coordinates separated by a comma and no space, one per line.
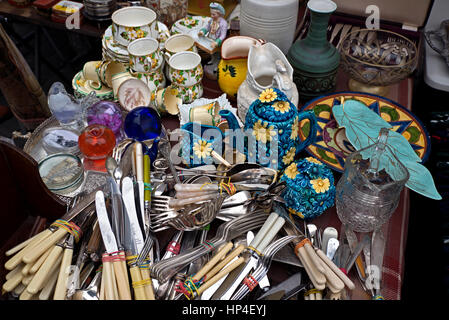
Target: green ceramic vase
(314,59)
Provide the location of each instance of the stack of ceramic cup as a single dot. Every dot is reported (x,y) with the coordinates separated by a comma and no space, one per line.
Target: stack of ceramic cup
(185,73)
(146,63)
(99,10)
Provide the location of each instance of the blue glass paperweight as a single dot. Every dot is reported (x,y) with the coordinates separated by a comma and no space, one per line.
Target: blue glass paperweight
(143,123)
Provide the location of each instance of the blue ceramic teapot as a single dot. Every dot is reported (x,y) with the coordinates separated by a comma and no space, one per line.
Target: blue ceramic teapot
(273,120)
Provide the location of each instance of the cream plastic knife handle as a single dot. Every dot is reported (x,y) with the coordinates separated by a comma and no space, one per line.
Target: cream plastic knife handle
(13,281)
(264,229)
(232,255)
(139,161)
(269,236)
(50,282)
(44,245)
(39,262)
(318,279)
(335,269)
(64,270)
(196,187)
(314,258)
(18,257)
(109,280)
(37,283)
(14,271)
(121,274)
(212,262)
(183,202)
(25,243)
(148,286)
(221,274)
(136,277)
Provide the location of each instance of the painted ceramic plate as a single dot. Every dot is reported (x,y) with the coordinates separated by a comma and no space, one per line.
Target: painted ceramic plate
(331,145)
(81,88)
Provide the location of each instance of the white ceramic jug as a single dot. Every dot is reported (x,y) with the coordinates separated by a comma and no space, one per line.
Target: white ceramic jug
(267,68)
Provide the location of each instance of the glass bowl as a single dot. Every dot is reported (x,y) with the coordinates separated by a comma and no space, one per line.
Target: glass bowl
(376,59)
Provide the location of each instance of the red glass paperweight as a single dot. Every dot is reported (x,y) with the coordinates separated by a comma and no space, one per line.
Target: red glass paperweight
(96,143)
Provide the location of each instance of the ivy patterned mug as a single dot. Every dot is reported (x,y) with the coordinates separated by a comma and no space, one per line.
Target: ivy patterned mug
(131,23)
(145,55)
(185,69)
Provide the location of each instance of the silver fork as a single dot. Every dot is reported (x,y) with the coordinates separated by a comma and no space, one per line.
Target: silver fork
(264,265)
(164,270)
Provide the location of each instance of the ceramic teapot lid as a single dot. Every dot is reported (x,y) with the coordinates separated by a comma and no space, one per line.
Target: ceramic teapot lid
(273,105)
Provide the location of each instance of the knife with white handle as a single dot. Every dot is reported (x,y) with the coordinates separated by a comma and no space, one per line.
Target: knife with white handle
(115,274)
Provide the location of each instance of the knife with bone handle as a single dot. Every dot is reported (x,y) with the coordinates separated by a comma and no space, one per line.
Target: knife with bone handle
(115,275)
(53,234)
(265,235)
(214,271)
(134,242)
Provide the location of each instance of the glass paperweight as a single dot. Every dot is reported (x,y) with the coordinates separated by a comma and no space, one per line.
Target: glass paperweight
(143,123)
(61,173)
(60,140)
(109,114)
(96,143)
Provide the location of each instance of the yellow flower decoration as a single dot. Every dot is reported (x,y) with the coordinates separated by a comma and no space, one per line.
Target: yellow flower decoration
(263,133)
(313,160)
(281,106)
(320,185)
(292,171)
(299,214)
(268,95)
(289,156)
(295,129)
(202,149)
(140,33)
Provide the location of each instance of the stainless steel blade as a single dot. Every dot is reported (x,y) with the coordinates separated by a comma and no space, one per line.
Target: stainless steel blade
(109,240)
(118,225)
(133,232)
(252,263)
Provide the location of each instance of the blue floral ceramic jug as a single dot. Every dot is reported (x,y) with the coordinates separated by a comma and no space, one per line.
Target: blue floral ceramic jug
(273,119)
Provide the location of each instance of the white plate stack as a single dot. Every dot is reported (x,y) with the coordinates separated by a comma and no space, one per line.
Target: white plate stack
(271,20)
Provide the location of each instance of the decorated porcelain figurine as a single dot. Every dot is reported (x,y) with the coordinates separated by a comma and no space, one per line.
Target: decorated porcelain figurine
(215,30)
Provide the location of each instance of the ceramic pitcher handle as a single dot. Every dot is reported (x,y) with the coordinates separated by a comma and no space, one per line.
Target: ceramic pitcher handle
(310,115)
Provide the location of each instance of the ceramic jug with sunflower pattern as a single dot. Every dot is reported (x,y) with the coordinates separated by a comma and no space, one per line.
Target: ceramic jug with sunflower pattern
(273,120)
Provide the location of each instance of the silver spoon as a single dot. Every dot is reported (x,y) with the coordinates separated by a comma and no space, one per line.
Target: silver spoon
(91,292)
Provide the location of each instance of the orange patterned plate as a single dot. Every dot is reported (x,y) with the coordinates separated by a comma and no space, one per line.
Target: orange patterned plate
(331,145)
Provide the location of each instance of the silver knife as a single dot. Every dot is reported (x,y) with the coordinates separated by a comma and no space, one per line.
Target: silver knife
(109,240)
(134,234)
(117,213)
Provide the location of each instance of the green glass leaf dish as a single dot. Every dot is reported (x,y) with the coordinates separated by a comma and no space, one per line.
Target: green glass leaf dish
(363,126)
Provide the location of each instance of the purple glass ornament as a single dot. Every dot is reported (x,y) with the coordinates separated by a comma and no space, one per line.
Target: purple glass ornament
(109,114)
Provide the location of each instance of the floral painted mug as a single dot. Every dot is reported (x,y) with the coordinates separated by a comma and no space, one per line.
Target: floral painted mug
(177,43)
(188,93)
(131,23)
(145,55)
(185,69)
